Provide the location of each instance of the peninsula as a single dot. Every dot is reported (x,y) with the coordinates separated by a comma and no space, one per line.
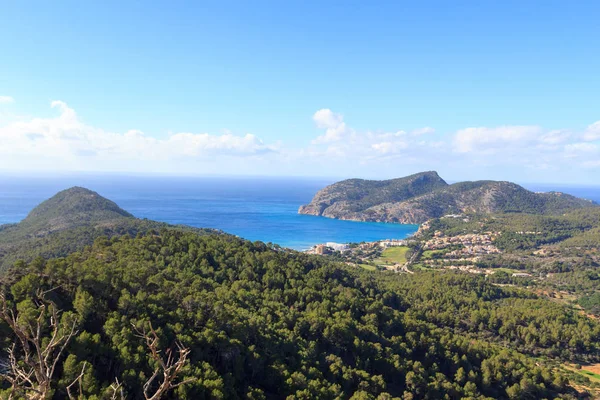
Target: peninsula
(420,197)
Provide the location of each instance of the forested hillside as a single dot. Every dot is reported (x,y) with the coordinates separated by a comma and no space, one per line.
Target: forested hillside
(555,255)
(262,323)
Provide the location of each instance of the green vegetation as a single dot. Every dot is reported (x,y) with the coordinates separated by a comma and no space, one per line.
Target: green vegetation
(578,379)
(429,254)
(420,197)
(69,221)
(368,267)
(242,320)
(74,206)
(591,303)
(590,374)
(393,255)
(418,267)
(562,253)
(576,228)
(264,323)
(359,195)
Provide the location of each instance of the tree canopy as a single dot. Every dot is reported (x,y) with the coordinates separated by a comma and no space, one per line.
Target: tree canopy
(265,323)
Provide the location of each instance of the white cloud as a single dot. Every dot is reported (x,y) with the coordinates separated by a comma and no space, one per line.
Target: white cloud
(362,146)
(581,148)
(325,118)
(389,147)
(351,149)
(592,132)
(64,141)
(6,100)
(194,144)
(386,135)
(423,131)
(333,123)
(555,137)
(520,152)
(484,139)
(383,147)
(526,148)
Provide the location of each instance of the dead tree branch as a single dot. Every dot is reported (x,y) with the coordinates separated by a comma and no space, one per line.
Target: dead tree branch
(117,390)
(170,367)
(79,381)
(32,360)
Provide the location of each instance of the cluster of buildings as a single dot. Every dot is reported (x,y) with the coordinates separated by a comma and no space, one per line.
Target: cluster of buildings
(328,248)
(467,268)
(474,250)
(439,241)
(392,243)
(471,244)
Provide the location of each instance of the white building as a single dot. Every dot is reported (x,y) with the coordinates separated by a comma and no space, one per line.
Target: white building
(337,246)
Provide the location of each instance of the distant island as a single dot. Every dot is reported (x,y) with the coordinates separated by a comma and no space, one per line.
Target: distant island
(418,198)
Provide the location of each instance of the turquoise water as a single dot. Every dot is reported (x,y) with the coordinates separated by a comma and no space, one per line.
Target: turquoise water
(253,208)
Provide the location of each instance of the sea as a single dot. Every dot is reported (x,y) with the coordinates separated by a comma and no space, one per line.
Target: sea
(255,208)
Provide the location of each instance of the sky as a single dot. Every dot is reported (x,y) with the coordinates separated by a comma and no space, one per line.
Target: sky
(474,90)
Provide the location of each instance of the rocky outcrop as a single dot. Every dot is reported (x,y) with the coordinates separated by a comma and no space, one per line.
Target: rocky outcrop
(420,197)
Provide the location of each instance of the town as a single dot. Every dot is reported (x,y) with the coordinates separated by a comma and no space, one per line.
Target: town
(459,252)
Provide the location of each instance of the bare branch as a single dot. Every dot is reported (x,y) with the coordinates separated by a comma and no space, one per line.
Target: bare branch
(171,367)
(65,342)
(78,380)
(32,363)
(117,389)
(42,293)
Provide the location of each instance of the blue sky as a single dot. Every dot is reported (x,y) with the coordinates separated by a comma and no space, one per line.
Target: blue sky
(476,90)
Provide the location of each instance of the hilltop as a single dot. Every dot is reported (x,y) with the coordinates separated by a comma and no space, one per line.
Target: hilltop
(70,208)
(423,196)
(67,222)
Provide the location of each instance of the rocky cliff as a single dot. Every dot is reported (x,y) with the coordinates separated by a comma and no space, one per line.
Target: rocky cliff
(420,197)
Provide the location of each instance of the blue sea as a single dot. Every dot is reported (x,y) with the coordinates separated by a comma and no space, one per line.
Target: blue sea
(262,209)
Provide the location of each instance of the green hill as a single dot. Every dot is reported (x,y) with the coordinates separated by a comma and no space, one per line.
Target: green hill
(354,196)
(70,208)
(65,223)
(420,197)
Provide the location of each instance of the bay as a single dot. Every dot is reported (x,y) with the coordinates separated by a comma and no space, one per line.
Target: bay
(254,208)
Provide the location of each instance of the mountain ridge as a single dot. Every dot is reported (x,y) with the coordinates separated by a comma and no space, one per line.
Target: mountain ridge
(420,197)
